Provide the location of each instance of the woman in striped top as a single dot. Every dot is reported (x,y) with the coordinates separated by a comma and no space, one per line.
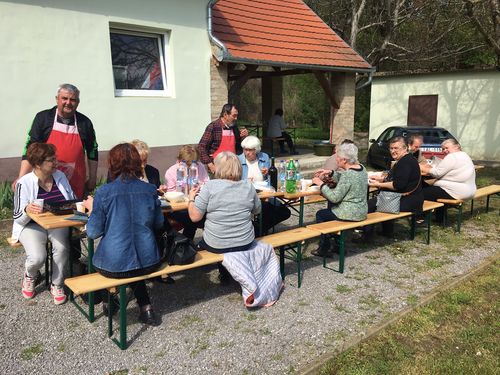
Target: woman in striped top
(48,183)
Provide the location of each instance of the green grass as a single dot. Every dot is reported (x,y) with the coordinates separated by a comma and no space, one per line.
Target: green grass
(456,333)
(32,351)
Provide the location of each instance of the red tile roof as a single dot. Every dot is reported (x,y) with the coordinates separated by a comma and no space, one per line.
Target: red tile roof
(280,33)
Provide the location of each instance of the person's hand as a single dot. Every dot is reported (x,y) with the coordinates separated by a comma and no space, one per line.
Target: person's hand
(89,203)
(374,183)
(322,172)
(162,189)
(425,168)
(211,167)
(32,208)
(194,192)
(13,186)
(264,171)
(317,181)
(243,132)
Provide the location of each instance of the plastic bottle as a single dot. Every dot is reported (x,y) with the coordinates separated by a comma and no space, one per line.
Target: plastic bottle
(298,175)
(181,181)
(281,175)
(193,175)
(273,175)
(291,182)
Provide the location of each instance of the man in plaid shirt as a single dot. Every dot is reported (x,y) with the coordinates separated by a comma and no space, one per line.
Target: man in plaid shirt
(221,135)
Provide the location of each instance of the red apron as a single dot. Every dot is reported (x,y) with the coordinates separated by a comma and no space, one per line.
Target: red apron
(70,155)
(227,143)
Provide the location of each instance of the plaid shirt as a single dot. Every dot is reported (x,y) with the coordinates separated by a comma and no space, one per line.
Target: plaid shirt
(211,139)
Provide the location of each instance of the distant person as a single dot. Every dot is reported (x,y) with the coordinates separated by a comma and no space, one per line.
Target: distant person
(331,162)
(189,154)
(125,214)
(276,128)
(149,173)
(455,176)
(255,166)
(221,135)
(73,135)
(47,183)
(414,143)
(347,198)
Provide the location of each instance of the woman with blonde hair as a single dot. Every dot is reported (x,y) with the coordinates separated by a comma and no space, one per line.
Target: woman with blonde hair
(149,173)
(188,154)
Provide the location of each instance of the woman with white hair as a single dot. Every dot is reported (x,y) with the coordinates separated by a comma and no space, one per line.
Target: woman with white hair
(255,165)
(455,176)
(348,197)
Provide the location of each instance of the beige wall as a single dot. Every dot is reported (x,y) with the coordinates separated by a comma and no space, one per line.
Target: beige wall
(45,43)
(468,106)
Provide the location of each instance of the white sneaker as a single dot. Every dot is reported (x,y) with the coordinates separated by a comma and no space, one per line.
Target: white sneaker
(58,294)
(28,288)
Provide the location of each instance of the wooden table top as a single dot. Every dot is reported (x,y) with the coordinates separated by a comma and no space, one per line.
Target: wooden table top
(47,220)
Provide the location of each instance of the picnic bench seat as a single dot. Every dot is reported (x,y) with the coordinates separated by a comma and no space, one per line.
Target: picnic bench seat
(284,241)
(339,227)
(272,141)
(486,191)
(95,281)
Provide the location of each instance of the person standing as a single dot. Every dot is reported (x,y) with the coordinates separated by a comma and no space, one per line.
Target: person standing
(221,135)
(73,135)
(277,128)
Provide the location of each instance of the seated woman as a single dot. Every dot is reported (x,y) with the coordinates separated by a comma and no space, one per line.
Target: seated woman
(47,183)
(190,155)
(404,178)
(149,173)
(348,198)
(255,165)
(125,213)
(455,176)
(229,204)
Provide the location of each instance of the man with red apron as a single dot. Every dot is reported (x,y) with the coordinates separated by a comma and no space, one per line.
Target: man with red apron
(221,135)
(73,135)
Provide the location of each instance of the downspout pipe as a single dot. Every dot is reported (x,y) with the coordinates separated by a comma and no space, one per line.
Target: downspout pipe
(368,82)
(212,37)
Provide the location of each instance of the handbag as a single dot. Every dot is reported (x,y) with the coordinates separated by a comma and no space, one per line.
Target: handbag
(175,248)
(388,202)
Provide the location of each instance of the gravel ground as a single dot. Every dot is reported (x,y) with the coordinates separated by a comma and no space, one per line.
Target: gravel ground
(205,327)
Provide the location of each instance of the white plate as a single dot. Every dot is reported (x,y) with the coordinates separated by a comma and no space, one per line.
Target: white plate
(174,196)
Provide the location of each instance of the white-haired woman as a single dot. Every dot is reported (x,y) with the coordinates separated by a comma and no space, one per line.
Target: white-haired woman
(255,165)
(455,176)
(348,198)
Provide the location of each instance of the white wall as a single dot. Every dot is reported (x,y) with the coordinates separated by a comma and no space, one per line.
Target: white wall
(45,43)
(468,106)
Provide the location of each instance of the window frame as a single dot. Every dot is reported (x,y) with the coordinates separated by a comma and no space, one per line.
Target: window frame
(162,38)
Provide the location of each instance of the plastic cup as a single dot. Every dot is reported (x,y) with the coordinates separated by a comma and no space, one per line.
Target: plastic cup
(80,207)
(303,184)
(38,202)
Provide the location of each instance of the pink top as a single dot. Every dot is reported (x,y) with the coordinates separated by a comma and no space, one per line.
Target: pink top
(171,175)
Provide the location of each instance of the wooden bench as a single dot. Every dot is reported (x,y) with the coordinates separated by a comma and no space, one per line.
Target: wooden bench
(272,141)
(284,241)
(340,227)
(486,191)
(94,281)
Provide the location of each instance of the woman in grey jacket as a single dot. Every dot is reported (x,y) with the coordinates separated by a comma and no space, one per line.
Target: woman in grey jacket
(348,198)
(47,183)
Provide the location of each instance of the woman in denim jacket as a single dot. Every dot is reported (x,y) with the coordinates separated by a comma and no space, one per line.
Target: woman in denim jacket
(125,213)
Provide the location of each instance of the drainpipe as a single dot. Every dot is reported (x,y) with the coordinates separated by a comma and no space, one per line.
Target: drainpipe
(368,82)
(222,50)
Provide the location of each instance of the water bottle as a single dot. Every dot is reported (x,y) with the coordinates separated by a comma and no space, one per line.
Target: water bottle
(273,175)
(298,175)
(291,182)
(282,175)
(181,181)
(193,174)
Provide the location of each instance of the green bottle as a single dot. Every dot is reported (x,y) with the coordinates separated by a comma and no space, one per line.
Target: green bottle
(291,183)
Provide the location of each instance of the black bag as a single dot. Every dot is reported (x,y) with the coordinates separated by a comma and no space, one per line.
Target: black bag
(61,208)
(175,248)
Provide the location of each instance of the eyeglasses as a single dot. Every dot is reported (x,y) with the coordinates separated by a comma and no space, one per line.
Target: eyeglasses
(249,149)
(51,160)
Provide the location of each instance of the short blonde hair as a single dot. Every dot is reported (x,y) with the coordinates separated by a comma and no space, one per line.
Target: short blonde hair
(188,153)
(142,148)
(227,166)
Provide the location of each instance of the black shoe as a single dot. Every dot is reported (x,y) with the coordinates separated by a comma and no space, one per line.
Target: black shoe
(319,252)
(166,280)
(386,234)
(225,278)
(149,317)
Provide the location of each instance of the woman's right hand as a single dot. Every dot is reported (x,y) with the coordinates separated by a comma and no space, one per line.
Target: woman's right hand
(89,203)
(32,208)
(194,192)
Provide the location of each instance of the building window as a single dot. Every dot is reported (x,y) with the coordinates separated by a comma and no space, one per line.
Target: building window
(139,63)
(422,110)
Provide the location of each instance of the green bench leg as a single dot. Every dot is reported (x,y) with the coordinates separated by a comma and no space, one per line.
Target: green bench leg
(299,264)
(282,262)
(341,243)
(459,218)
(122,343)
(428,218)
(413,226)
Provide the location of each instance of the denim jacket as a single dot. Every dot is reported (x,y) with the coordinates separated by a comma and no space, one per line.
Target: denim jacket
(126,213)
(264,162)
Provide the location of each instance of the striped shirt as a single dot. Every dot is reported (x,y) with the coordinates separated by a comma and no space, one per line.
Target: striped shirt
(54,195)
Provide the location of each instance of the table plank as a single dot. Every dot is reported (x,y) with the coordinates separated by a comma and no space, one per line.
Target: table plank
(47,220)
